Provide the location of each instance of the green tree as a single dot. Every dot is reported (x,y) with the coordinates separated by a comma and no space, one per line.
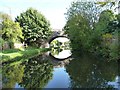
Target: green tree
(100,32)
(88,10)
(105,19)
(97,39)
(107,29)
(11,32)
(81,17)
(115,46)
(78,30)
(35,27)
(56,47)
(3,17)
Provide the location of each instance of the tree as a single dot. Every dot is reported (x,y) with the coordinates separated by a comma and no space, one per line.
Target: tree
(106,18)
(55,46)
(35,27)
(91,32)
(11,32)
(107,28)
(88,10)
(4,16)
(78,30)
(81,17)
(109,4)
(115,46)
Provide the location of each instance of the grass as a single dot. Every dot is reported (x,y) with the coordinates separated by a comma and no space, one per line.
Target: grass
(18,54)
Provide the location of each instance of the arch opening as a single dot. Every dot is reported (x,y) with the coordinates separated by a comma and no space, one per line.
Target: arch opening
(60,47)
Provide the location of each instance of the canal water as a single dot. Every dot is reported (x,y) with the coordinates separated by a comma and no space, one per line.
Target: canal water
(77,70)
(84,71)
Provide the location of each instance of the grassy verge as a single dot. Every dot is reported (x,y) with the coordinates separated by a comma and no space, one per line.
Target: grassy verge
(17,54)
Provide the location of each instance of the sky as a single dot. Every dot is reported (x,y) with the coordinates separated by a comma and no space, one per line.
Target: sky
(53,10)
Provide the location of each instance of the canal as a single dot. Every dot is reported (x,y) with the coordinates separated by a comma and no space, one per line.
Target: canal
(62,69)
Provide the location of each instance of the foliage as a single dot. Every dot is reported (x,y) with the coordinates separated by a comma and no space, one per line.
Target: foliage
(78,30)
(106,18)
(107,38)
(11,31)
(114,51)
(1,42)
(100,38)
(11,75)
(81,17)
(55,46)
(88,71)
(88,10)
(110,48)
(35,27)
(108,4)
(37,73)
(4,16)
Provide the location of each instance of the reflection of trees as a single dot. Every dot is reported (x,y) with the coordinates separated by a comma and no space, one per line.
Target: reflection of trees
(37,73)
(12,75)
(118,73)
(56,51)
(87,72)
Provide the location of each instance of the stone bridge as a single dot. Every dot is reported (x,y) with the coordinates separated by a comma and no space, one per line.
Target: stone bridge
(56,33)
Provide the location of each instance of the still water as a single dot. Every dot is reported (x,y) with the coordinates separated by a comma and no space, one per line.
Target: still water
(43,71)
(59,68)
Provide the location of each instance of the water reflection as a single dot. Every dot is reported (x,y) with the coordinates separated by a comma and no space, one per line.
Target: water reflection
(12,75)
(87,71)
(63,54)
(34,73)
(60,79)
(37,73)
(80,71)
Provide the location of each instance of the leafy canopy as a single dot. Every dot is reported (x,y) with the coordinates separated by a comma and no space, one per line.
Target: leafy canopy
(89,10)
(34,25)
(11,31)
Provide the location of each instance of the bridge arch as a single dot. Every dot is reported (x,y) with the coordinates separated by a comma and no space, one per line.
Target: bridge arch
(50,54)
(56,37)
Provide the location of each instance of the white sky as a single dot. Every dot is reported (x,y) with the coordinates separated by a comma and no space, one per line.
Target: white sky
(62,39)
(52,9)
